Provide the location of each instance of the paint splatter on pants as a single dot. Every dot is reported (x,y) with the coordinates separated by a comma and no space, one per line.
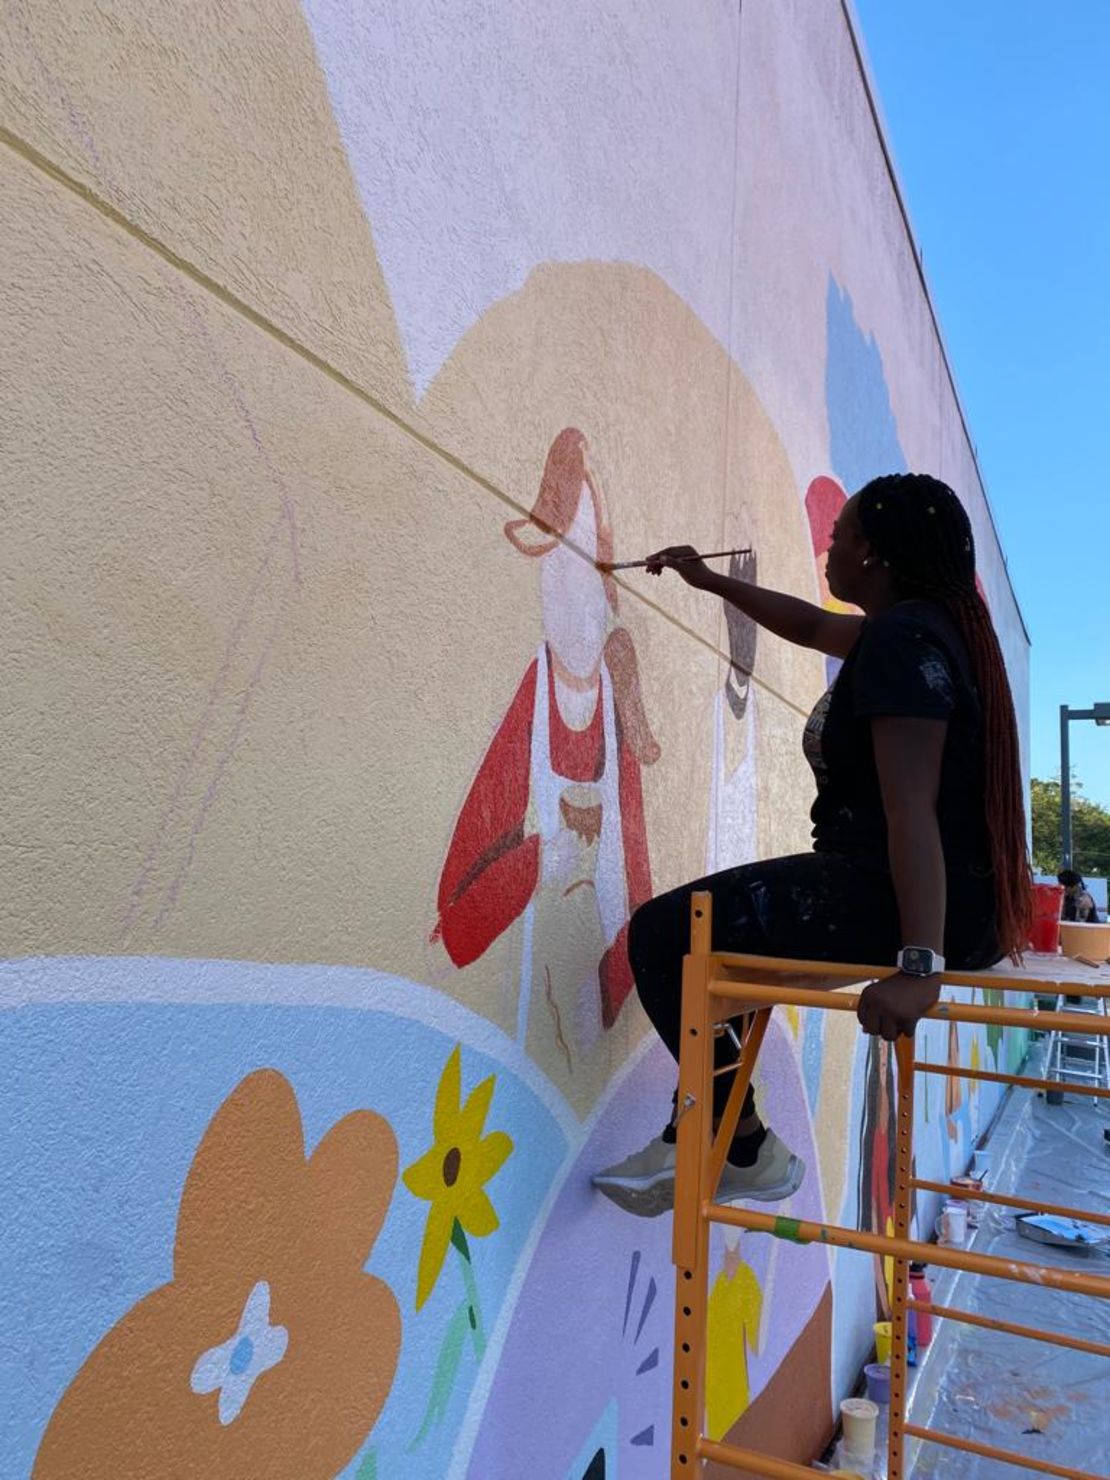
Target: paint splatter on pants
(809,906)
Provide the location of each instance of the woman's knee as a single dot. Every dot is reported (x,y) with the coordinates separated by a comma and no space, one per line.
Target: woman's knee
(640,929)
(655,939)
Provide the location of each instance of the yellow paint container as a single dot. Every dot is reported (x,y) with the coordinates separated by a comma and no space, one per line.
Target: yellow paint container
(883,1338)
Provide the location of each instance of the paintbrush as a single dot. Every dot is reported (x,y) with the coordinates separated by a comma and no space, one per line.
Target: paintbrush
(608,566)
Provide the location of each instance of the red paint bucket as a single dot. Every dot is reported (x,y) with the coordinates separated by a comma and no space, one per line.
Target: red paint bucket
(1048,901)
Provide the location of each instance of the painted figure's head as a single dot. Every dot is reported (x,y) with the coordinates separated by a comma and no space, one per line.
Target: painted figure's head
(569,530)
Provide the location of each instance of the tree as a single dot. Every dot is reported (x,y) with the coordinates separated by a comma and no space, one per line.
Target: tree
(1090,830)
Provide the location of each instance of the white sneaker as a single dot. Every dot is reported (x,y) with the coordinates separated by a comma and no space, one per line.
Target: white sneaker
(643,1183)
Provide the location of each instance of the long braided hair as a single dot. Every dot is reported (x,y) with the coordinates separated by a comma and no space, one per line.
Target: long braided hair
(920,529)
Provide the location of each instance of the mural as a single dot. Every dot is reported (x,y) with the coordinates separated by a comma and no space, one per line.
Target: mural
(270,1247)
(188,1208)
(733,804)
(552,828)
(451,1176)
(619,1382)
(337,766)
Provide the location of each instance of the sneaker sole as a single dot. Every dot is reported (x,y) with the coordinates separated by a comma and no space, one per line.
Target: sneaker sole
(642,1200)
(651,1199)
(777,1192)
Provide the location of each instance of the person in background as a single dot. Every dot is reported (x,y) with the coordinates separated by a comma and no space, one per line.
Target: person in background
(1078,902)
(919,851)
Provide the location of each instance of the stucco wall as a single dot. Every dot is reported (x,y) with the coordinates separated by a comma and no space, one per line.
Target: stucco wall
(298,301)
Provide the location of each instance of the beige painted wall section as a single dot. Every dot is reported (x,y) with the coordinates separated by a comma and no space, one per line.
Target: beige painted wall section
(210,128)
(221,146)
(262,635)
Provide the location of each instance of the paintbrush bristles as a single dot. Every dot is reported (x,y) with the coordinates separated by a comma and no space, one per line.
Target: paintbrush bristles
(608,566)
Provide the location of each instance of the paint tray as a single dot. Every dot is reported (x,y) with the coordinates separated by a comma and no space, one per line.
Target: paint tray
(1062,1233)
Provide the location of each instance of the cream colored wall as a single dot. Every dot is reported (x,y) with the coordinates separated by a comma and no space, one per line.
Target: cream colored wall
(203,466)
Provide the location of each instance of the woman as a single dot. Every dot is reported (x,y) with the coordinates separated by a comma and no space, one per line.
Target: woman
(918,827)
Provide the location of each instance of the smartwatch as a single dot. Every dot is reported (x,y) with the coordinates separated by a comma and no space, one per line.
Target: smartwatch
(919,961)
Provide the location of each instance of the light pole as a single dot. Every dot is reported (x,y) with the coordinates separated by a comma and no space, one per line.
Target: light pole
(1100,713)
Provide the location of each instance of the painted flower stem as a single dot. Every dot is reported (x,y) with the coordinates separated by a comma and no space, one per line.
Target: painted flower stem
(477,1326)
(468,1316)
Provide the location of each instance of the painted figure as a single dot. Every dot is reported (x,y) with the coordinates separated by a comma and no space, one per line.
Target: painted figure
(733,798)
(552,829)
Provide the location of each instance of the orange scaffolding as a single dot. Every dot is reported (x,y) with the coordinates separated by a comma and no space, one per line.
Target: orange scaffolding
(718,987)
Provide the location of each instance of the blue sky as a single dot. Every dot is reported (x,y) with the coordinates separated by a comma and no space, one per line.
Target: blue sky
(998,117)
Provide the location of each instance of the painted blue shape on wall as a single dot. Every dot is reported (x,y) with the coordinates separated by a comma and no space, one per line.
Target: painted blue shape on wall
(597,1459)
(106,1105)
(813,1052)
(633,1271)
(863,435)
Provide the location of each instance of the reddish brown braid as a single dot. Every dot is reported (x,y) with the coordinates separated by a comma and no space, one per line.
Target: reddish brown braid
(921,531)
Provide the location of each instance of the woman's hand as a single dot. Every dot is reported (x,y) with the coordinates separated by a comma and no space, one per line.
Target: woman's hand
(683,558)
(894,1006)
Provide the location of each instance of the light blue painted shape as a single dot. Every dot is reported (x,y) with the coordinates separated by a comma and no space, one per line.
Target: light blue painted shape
(813,1055)
(863,435)
(603,1436)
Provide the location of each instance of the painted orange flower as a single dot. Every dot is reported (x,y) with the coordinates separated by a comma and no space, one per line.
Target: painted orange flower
(270,1352)
(452,1174)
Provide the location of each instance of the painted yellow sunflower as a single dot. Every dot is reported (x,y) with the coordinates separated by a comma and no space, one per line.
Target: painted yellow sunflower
(453,1172)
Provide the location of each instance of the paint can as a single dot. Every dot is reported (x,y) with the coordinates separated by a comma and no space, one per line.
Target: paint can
(858,1420)
(951,1226)
(878,1382)
(883,1339)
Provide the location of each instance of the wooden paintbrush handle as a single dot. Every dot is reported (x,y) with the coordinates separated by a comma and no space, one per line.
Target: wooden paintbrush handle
(639,564)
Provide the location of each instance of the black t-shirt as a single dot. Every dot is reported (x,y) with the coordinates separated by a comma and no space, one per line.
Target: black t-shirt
(910,661)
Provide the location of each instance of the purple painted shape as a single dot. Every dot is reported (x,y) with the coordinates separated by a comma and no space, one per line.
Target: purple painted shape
(649,1301)
(571,1349)
(633,1270)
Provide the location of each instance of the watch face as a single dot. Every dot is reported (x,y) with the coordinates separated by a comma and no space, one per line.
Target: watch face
(917,961)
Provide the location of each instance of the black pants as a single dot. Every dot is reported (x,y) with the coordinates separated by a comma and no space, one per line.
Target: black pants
(810,906)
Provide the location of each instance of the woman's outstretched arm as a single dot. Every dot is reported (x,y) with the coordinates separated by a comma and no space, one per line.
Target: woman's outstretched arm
(800,622)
